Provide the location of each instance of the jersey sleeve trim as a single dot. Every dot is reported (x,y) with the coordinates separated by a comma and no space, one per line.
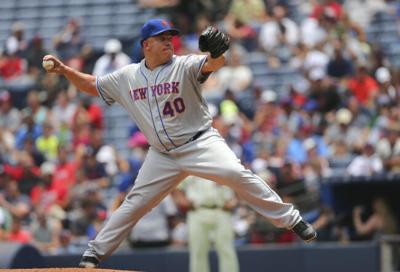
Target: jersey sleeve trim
(100,91)
(200,76)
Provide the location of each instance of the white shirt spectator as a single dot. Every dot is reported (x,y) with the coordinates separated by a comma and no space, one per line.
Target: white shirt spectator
(63,111)
(386,150)
(270,34)
(362,11)
(364,165)
(316,59)
(112,60)
(311,32)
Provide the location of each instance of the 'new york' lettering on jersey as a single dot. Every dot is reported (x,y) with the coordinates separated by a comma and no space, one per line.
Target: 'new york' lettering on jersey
(165,103)
(156,90)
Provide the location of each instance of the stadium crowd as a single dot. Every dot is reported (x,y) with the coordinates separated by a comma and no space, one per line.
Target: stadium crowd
(59,179)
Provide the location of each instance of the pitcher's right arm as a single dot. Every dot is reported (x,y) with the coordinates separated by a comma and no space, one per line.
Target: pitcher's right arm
(84,82)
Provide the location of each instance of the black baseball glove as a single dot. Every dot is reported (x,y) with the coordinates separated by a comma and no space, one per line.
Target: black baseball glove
(213,41)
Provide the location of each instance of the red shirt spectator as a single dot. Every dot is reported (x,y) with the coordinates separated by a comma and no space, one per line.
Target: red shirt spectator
(11,67)
(96,115)
(331,7)
(363,86)
(64,175)
(17,234)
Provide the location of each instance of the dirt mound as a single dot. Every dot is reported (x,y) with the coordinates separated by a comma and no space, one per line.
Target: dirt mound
(64,270)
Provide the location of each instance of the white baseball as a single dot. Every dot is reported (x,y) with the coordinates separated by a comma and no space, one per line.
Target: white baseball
(48,64)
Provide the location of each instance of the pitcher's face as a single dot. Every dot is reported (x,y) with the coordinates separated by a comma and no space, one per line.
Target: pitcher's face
(160,47)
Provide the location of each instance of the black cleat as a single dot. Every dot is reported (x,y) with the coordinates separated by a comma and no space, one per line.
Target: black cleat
(305,231)
(89,262)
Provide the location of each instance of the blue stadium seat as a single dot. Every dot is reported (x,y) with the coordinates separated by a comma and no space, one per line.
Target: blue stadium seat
(7,4)
(52,3)
(51,12)
(76,11)
(96,20)
(100,10)
(28,13)
(27,3)
(126,9)
(256,58)
(76,2)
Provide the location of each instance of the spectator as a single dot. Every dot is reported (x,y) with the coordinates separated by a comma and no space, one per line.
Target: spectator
(28,129)
(16,203)
(95,113)
(365,164)
(34,55)
(323,94)
(45,195)
(339,67)
(382,220)
(279,35)
(363,11)
(341,130)
(105,153)
(31,149)
(24,172)
(65,244)
(13,68)
(82,218)
(18,233)
(242,20)
(5,223)
(64,175)
(315,59)
(316,167)
(314,30)
(247,11)
(10,117)
(70,45)
(112,60)
(94,172)
(130,168)
(7,146)
(235,76)
(35,108)
(45,231)
(388,148)
(62,112)
(290,183)
(324,6)
(17,40)
(48,142)
(154,229)
(363,86)
(387,95)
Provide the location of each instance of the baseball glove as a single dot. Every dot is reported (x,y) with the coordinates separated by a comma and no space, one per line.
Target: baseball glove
(213,41)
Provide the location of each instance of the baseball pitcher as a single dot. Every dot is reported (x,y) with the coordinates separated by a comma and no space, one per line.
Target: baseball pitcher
(162,95)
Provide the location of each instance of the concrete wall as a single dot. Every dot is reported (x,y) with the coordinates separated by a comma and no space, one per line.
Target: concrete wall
(327,257)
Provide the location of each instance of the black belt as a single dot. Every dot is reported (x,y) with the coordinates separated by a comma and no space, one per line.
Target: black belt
(196,136)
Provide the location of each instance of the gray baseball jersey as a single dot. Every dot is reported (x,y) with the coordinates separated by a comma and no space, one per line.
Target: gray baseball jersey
(165,103)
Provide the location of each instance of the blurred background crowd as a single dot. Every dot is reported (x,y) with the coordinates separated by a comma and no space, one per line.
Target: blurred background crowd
(310,96)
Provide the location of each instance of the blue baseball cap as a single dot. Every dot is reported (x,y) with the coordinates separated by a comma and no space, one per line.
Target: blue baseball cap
(155,27)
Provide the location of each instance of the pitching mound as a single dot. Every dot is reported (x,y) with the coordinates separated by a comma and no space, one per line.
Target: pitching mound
(64,270)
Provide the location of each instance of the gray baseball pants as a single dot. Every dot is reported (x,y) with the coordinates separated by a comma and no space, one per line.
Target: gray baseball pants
(208,157)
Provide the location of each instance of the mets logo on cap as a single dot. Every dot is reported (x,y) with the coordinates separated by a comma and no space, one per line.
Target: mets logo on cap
(164,23)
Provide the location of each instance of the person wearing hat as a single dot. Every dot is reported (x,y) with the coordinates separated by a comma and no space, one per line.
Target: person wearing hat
(162,94)
(112,60)
(10,117)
